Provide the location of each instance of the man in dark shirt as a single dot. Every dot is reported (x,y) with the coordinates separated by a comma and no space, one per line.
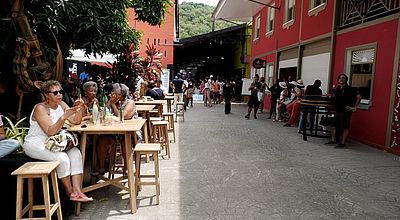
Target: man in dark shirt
(275,93)
(253,100)
(311,90)
(178,92)
(228,94)
(347,100)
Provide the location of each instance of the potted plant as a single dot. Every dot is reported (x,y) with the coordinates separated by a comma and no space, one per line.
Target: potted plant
(16,131)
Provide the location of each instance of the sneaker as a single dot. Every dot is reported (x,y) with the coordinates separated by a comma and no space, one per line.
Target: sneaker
(340,145)
(255,117)
(330,142)
(287,125)
(247,116)
(269,117)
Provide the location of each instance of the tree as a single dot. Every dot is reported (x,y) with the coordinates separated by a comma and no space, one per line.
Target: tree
(99,26)
(195,19)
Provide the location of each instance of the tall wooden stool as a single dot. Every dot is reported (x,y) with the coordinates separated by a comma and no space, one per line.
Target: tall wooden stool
(160,135)
(139,150)
(180,111)
(41,170)
(169,116)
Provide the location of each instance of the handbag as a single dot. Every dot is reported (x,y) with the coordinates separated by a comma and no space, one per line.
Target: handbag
(63,141)
(327,120)
(260,96)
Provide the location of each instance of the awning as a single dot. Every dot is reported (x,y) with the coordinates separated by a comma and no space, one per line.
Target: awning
(79,55)
(238,10)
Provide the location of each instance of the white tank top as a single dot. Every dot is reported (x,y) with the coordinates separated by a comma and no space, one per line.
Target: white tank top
(35,133)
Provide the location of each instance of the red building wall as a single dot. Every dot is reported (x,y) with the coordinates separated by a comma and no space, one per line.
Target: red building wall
(265,43)
(162,36)
(289,36)
(313,26)
(371,125)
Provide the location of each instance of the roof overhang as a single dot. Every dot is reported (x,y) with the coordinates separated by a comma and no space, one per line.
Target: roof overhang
(79,55)
(238,10)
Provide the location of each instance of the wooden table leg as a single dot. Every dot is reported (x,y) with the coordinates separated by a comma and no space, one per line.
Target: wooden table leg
(131,177)
(83,152)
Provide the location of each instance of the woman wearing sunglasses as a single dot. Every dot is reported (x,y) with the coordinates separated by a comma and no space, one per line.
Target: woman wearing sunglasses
(47,119)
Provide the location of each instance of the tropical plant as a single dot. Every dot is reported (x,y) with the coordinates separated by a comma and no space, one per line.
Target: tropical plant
(17,132)
(149,67)
(130,65)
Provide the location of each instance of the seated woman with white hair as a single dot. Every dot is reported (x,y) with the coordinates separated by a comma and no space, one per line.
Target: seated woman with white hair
(119,98)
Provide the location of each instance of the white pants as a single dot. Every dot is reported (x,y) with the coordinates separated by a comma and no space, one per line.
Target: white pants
(70,161)
(178,97)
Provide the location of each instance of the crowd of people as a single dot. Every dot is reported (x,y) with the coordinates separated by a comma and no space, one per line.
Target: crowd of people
(50,116)
(285,104)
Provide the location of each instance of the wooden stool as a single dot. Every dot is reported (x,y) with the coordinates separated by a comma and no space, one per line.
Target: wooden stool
(139,150)
(41,170)
(160,135)
(181,111)
(154,113)
(169,116)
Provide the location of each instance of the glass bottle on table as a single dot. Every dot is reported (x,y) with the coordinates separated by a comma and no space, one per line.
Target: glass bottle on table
(95,113)
(120,113)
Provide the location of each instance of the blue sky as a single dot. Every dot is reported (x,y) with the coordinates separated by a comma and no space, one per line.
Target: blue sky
(207,2)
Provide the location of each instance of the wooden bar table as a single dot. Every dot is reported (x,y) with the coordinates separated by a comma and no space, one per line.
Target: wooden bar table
(158,103)
(144,111)
(128,129)
(169,99)
(323,105)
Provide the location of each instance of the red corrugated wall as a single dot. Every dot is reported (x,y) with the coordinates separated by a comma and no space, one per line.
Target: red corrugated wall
(164,32)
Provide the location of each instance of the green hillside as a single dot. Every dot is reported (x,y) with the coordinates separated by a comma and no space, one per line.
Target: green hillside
(195,19)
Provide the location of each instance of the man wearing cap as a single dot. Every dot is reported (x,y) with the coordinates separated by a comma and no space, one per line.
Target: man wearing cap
(294,107)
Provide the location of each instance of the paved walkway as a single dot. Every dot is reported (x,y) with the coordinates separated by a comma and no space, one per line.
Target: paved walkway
(227,167)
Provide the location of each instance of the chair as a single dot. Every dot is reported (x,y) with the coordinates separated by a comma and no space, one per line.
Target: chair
(31,170)
(169,116)
(142,149)
(180,111)
(160,135)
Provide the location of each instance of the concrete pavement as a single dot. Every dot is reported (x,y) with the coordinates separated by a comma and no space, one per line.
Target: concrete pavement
(227,167)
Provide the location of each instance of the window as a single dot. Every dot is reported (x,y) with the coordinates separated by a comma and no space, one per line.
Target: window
(316,6)
(269,76)
(289,10)
(257,29)
(362,72)
(270,20)
(316,3)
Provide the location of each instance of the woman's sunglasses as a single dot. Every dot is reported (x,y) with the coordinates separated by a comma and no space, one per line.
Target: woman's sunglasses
(57,92)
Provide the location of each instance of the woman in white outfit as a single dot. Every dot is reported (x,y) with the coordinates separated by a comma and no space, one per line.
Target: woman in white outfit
(47,118)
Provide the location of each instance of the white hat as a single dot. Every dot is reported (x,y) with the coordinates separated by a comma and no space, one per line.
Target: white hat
(293,83)
(300,83)
(282,85)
